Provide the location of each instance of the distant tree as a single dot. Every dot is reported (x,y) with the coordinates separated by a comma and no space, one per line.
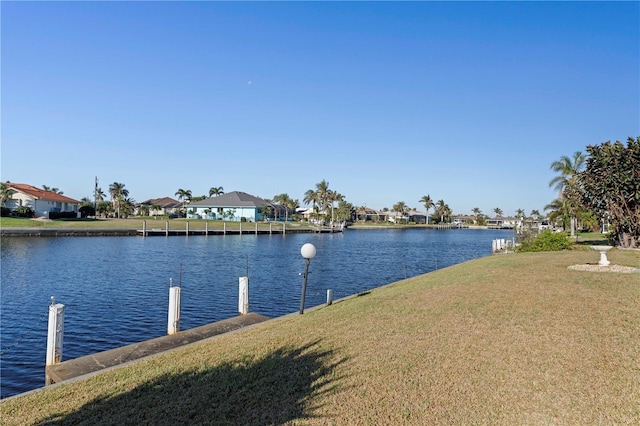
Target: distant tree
(442,210)
(54,190)
(567,185)
(5,193)
(143,210)
(184,194)
(118,194)
(428,204)
(611,187)
(535,214)
(100,195)
(215,190)
(401,208)
(498,211)
(476,212)
(155,208)
(104,208)
(520,214)
(283,200)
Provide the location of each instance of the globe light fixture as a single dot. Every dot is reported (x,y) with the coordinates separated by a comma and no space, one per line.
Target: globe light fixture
(308,251)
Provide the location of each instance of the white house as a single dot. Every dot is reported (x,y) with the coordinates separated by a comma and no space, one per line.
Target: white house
(232,206)
(40,201)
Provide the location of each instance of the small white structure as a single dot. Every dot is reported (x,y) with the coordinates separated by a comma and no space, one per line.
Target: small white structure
(603,254)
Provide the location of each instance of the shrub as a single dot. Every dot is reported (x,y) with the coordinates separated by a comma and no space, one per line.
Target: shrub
(546,241)
(24,211)
(62,215)
(86,211)
(5,212)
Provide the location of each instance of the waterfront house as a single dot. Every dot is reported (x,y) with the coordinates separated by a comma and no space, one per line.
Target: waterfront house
(368,214)
(40,201)
(233,206)
(167,205)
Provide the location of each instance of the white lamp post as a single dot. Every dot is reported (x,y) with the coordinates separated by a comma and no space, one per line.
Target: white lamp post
(308,251)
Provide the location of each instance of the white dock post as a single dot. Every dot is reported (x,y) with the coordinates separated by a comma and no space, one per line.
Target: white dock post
(187,229)
(270,230)
(173,325)
(283,228)
(206,227)
(243,296)
(240,226)
(256,228)
(144,228)
(224,228)
(494,245)
(329,297)
(503,244)
(166,228)
(54,336)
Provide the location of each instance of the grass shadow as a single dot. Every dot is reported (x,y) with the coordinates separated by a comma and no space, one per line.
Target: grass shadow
(275,389)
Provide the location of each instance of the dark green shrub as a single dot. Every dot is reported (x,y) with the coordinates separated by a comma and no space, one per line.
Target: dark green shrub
(24,211)
(5,212)
(62,215)
(86,211)
(546,241)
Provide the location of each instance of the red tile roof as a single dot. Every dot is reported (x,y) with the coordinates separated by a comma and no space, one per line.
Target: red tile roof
(40,194)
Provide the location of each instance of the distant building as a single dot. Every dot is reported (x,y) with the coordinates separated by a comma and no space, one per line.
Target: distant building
(40,201)
(235,206)
(167,205)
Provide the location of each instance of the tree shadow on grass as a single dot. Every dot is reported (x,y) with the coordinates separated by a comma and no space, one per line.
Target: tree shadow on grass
(272,390)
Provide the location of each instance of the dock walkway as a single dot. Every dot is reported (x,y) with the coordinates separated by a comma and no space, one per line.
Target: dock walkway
(88,364)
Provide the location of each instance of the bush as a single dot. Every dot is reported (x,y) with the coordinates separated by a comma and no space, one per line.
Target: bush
(86,211)
(62,215)
(5,212)
(546,241)
(24,211)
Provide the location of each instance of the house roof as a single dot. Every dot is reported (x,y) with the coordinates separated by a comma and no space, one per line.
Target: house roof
(232,199)
(165,202)
(40,194)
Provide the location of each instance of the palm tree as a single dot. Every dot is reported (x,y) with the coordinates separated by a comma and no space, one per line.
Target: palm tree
(401,208)
(428,203)
(283,200)
(100,194)
(155,208)
(566,182)
(183,194)
(118,193)
(5,193)
(498,211)
(520,214)
(442,209)
(215,190)
(310,197)
(333,197)
(476,212)
(323,194)
(50,189)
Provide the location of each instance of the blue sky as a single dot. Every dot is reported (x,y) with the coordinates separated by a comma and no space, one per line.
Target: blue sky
(466,102)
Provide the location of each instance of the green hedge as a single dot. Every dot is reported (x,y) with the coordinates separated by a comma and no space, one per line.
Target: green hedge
(546,241)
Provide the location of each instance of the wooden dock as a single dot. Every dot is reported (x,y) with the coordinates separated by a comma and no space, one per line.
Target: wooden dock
(241,229)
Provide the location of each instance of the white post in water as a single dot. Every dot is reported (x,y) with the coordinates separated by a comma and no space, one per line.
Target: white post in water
(243,296)
(329,297)
(144,228)
(55,335)
(166,228)
(173,325)
(187,229)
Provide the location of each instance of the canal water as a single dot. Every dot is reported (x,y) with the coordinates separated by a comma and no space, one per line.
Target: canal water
(115,289)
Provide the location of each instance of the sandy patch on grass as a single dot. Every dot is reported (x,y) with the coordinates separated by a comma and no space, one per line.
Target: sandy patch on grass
(600,268)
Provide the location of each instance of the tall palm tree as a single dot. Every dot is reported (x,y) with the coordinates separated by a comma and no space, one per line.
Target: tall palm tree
(100,194)
(498,211)
(184,194)
(323,194)
(476,212)
(310,197)
(118,193)
(283,200)
(566,182)
(401,208)
(442,209)
(215,190)
(520,214)
(428,203)
(335,197)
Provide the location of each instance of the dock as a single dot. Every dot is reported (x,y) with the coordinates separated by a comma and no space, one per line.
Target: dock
(88,364)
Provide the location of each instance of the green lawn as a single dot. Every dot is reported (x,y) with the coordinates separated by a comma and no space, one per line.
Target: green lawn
(506,339)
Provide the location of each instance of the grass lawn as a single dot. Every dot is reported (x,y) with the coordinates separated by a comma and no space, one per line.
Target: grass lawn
(507,339)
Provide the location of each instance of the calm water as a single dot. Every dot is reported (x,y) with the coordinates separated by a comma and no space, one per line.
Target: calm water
(115,289)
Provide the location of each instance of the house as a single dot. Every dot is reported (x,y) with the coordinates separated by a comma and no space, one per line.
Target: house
(500,222)
(367,213)
(462,220)
(40,201)
(232,206)
(167,205)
